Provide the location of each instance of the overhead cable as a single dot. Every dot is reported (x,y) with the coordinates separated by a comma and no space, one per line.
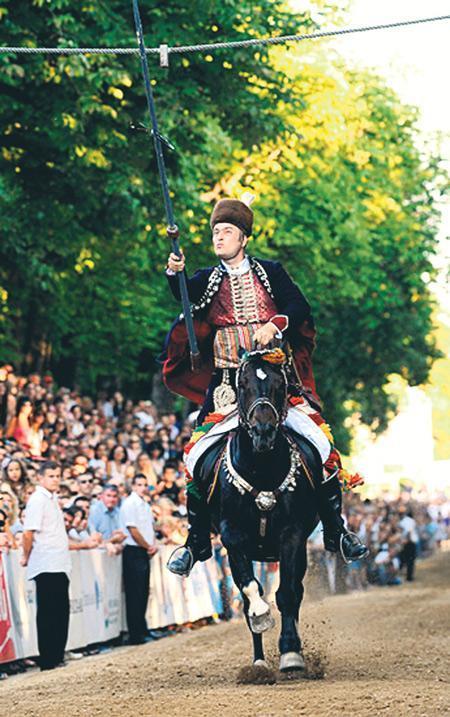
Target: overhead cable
(165,50)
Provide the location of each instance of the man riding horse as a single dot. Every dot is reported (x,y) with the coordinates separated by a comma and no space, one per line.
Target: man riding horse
(242,304)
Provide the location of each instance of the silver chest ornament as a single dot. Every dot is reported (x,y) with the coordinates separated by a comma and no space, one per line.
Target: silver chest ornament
(224,395)
(266,500)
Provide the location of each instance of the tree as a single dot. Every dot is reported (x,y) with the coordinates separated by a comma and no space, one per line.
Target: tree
(349,204)
(82,238)
(345,198)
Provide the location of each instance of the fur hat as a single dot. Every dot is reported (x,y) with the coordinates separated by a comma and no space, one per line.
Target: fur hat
(234,212)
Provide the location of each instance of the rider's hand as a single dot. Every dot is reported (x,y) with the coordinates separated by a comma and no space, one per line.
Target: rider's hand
(175,263)
(265,334)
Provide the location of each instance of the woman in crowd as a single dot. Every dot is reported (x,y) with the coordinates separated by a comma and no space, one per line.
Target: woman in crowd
(145,466)
(134,447)
(117,465)
(20,426)
(156,453)
(77,427)
(37,441)
(14,476)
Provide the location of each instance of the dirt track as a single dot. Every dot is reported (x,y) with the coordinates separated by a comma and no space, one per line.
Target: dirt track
(385,652)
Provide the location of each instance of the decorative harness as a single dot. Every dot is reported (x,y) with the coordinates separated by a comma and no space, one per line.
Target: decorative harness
(265,500)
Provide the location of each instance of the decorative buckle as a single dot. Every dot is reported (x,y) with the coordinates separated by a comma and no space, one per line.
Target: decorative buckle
(265,500)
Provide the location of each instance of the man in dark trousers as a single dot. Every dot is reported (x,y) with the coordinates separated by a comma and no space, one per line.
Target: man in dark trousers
(137,522)
(46,555)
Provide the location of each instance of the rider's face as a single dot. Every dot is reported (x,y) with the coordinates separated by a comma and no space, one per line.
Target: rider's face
(229,241)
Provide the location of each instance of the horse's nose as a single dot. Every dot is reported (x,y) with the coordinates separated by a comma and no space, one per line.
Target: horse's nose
(263,435)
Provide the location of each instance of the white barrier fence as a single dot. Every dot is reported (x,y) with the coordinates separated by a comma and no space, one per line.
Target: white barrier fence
(97,604)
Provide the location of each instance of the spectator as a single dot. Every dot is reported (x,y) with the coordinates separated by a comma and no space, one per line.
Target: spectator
(144,414)
(100,459)
(388,566)
(167,487)
(46,554)
(134,447)
(137,520)
(37,442)
(85,485)
(77,529)
(14,476)
(408,554)
(117,465)
(7,540)
(145,466)
(20,426)
(104,516)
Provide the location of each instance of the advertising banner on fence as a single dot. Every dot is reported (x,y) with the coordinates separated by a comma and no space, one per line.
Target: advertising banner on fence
(97,604)
(7,649)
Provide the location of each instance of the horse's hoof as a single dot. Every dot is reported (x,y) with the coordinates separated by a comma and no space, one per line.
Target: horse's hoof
(261,663)
(261,623)
(291,661)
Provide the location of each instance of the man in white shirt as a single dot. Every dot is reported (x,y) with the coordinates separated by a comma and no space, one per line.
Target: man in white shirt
(137,522)
(46,555)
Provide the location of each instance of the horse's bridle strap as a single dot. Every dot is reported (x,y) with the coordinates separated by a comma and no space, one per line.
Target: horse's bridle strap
(259,402)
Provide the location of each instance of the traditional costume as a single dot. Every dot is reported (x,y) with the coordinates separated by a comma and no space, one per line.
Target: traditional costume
(229,304)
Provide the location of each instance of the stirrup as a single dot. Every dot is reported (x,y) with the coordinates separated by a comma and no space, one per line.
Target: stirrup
(347,561)
(173,557)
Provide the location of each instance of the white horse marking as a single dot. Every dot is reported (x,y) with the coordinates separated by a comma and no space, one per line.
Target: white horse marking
(261,374)
(257,606)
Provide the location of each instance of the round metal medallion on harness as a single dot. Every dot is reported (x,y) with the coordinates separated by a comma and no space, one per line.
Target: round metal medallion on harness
(224,396)
(265,500)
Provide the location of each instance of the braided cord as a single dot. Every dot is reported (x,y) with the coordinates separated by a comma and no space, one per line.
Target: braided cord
(210,47)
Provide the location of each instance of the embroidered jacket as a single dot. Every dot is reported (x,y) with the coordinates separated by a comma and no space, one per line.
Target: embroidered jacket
(202,288)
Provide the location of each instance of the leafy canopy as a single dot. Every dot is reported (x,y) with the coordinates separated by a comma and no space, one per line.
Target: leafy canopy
(344,198)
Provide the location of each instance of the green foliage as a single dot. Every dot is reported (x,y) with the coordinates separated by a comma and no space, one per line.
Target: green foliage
(356,223)
(82,245)
(438,389)
(345,200)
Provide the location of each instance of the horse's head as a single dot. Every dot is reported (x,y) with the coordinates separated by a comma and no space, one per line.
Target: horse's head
(262,395)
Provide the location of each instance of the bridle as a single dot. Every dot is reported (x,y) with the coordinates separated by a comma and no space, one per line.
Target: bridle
(262,402)
(245,416)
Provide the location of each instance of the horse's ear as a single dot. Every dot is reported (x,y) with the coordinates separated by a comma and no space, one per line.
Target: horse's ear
(241,353)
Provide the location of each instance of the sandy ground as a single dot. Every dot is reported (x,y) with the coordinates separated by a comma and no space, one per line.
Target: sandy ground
(383,652)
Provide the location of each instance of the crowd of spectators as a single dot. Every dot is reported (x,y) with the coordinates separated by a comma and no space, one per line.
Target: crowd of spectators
(396,533)
(103,444)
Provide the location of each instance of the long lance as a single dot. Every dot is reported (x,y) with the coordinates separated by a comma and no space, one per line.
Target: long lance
(172,229)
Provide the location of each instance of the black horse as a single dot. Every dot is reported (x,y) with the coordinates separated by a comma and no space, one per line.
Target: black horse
(263,500)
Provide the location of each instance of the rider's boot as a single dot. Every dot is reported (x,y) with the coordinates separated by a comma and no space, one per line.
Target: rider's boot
(198,543)
(336,537)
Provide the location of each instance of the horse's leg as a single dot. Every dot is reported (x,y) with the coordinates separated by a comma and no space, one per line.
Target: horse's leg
(257,638)
(258,611)
(289,597)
